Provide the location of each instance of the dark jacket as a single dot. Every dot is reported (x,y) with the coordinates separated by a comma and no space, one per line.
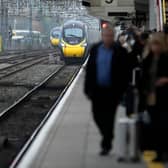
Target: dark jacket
(152,136)
(120,72)
(161,92)
(136,55)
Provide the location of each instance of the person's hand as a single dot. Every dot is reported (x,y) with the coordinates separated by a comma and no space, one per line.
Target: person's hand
(161,82)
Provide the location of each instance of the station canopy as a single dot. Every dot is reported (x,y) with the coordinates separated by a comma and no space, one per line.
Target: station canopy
(64,9)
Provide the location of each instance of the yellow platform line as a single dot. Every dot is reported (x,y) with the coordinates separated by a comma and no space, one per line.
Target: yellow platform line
(148,157)
(155,165)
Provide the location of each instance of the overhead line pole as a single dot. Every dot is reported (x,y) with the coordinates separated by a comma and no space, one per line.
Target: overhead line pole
(30,21)
(1,25)
(4,23)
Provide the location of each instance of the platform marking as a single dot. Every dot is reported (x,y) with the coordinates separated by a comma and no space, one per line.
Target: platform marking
(148,157)
(155,165)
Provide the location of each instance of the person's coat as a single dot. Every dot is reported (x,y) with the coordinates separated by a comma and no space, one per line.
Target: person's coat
(152,135)
(120,72)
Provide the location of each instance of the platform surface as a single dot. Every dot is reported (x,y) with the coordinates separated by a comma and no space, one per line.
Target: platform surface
(73,141)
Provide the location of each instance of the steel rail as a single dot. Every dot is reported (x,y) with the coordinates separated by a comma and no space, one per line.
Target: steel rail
(7,111)
(2,76)
(42,124)
(7,71)
(20,63)
(24,54)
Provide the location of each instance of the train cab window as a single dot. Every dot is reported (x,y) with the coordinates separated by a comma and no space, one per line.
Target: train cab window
(74,32)
(55,34)
(73,35)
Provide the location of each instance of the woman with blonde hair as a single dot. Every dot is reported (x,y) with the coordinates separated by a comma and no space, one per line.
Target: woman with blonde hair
(153,40)
(154,92)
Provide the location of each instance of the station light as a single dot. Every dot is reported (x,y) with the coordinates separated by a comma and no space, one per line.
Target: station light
(104,25)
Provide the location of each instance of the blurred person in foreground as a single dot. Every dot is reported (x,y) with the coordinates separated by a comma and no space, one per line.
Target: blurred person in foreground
(141,40)
(135,61)
(154,94)
(106,80)
(122,41)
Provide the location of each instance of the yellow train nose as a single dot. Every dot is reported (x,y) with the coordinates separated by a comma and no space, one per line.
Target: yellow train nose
(55,41)
(75,51)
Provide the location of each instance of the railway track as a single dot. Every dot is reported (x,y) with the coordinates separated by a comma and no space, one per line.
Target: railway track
(24,117)
(22,65)
(19,67)
(16,57)
(11,52)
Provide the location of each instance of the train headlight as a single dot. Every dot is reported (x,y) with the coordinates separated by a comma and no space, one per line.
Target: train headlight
(84,45)
(63,45)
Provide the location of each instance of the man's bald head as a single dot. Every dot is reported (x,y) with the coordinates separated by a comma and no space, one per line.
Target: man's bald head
(108,35)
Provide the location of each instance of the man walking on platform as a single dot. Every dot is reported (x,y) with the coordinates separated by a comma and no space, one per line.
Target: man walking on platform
(107,76)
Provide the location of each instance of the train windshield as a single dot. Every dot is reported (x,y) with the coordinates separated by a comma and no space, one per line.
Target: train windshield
(73,35)
(55,34)
(74,32)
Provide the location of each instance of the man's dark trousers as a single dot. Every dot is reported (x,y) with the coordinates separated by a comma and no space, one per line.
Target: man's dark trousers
(104,110)
(105,100)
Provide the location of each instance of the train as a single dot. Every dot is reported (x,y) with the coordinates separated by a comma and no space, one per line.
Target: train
(55,36)
(23,39)
(76,39)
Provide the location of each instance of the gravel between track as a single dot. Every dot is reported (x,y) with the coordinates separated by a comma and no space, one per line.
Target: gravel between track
(31,76)
(20,124)
(9,95)
(14,87)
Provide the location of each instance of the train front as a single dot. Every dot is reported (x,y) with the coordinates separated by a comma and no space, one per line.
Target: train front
(74,41)
(55,36)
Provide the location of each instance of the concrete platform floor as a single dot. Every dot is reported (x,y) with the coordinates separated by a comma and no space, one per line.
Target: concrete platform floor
(73,141)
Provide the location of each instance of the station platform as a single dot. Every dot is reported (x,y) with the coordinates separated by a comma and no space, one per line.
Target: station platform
(70,139)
